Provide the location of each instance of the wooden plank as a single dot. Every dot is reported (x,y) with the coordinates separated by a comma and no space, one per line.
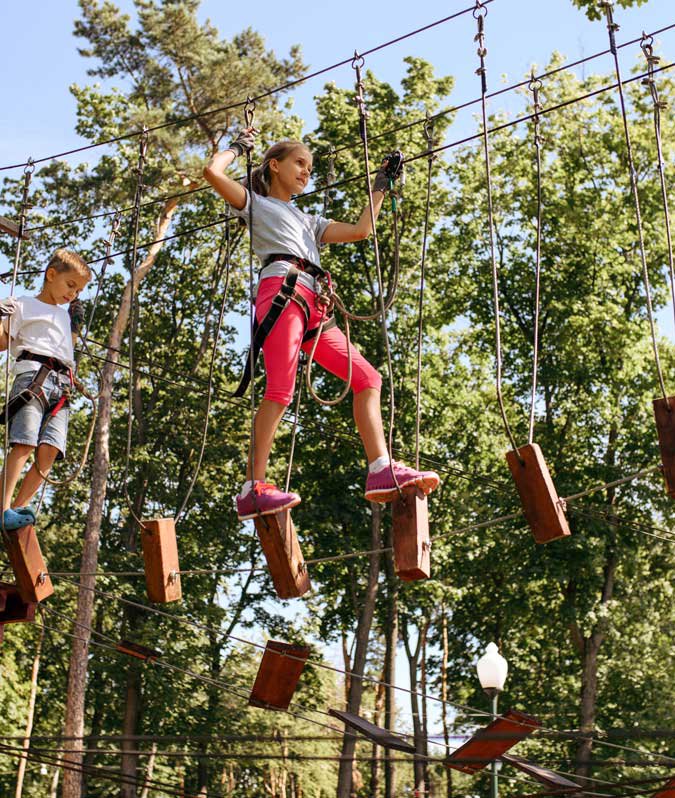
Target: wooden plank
(561,785)
(664,415)
(490,742)
(541,504)
(282,552)
(137,650)
(278,675)
(23,550)
(14,608)
(8,226)
(410,526)
(378,735)
(667,791)
(160,556)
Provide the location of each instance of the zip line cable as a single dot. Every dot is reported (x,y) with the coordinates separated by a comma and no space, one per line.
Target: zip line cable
(243,103)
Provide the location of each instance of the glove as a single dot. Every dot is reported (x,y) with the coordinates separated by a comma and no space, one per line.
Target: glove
(8,306)
(244,142)
(390,169)
(76,313)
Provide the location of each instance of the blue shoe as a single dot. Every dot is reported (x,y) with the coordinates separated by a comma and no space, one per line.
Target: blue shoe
(13,520)
(27,512)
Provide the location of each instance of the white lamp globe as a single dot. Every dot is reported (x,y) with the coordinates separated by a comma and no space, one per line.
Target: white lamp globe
(492,670)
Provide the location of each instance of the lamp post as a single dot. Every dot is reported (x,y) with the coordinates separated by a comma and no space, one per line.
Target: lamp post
(492,671)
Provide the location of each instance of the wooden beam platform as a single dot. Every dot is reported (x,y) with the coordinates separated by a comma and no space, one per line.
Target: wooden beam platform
(278,675)
(664,415)
(10,227)
(25,556)
(380,736)
(160,556)
(560,784)
(282,552)
(492,741)
(137,650)
(410,526)
(541,504)
(667,791)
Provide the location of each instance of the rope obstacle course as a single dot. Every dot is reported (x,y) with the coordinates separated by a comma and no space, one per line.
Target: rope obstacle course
(543,508)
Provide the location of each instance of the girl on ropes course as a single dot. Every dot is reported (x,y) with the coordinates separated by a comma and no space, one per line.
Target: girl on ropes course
(290,306)
(41,336)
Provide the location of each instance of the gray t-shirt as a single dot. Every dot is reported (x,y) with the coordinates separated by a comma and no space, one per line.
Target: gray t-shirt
(279,227)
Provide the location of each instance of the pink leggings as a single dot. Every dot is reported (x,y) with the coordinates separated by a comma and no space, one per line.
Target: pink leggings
(281,349)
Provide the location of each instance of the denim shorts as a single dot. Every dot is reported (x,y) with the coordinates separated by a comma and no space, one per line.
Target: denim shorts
(30,425)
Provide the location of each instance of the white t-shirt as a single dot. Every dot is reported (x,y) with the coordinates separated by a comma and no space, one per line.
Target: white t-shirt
(41,328)
(280,228)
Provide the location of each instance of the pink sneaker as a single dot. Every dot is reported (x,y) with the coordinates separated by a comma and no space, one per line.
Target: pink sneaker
(380,486)
(264,499)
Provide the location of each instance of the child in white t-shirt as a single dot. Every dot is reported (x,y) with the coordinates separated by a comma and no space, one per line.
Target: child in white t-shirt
(40,336)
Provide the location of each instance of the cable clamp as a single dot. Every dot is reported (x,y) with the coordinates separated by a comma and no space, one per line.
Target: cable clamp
(249,111)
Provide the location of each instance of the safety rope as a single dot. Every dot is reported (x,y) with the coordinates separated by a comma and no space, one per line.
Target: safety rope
(612,27)
(226,245)
(535,86)
(479,13)
(652,60)
(23,212)
(429,135)
(133,320)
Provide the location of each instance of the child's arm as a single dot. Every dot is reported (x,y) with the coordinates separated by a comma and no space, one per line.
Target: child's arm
(7,308)
(4,338)
(343,232)
(214,171)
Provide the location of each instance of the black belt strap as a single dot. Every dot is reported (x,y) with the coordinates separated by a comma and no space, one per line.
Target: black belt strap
(287,293)
(52,363)
(302,264)
(33,391)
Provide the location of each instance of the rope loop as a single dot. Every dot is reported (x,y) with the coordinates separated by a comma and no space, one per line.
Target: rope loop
(480,11)
(249,111)
(30,168)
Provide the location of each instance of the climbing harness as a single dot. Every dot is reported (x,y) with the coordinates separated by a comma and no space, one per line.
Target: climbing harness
(36,390)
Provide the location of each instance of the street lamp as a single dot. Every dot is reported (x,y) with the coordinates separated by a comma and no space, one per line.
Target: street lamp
(492,671)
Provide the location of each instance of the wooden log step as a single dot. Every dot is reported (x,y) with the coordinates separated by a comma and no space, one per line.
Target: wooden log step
(490,742)
(137,650)
(23,550)
(13,609)
(560,784)
(664,414)
(160,556)
(278,675)
(410,525)
(375,733)
(282,552)
(542,506)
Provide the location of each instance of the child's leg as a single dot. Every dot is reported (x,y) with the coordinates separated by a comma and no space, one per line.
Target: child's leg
(267,420)
(368,419)
(46,455)
(16,460)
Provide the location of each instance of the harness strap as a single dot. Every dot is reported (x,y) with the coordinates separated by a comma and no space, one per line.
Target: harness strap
(287,293)
(33,391)
(53,363)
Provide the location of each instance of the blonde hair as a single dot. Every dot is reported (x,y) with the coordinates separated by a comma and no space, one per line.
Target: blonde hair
(261,179)
(65,260)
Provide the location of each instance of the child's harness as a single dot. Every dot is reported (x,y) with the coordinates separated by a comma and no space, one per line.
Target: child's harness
(35,389)
(287,293)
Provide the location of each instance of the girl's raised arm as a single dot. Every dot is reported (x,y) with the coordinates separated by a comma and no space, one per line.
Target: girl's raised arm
(214,171)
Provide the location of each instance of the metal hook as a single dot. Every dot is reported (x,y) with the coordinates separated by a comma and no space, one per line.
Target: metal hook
(535,84)
(646,43)
(143,142)
(358,61)
(429,129)
(30,167)
(249,110)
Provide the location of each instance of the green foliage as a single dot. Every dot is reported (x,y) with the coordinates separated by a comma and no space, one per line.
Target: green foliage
(594,9)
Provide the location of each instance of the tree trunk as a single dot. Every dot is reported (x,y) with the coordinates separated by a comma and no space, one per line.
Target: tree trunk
(344,786)
(77,672)
(132,710)
(149,771)
(424,747)
(30,715)
(375,757)
(53,790)
(391,639)
(444,699)
(418,736)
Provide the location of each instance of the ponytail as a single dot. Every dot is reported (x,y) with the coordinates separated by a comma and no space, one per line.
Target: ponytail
(261,178)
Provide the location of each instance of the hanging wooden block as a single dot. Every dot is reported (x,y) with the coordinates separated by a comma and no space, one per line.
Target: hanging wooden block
(664,413)
(282,552)
(278,675)
(410,525)
(375,733)
(541,504)
(490,742)
(13,609)
(8,226)
(23,550)
(560,784)
(137,650)
(160,555)
(667,791)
